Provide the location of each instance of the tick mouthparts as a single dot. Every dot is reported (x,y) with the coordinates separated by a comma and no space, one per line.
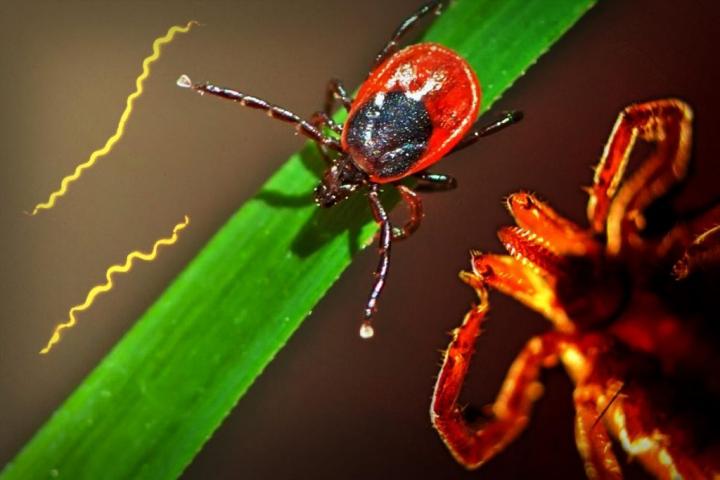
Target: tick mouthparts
(184,81)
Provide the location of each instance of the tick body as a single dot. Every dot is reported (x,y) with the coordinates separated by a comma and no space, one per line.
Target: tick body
(418,105)
(410,112)
(633,306)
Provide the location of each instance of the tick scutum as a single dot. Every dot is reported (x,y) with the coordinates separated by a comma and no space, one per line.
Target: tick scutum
(388,134)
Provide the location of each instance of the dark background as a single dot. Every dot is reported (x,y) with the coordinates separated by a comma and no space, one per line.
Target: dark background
(330,405)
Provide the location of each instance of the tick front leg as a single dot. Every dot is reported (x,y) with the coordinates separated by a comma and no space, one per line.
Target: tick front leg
(616,207)
(302,127)
(525,283)
(480,130)
(336,91)
(434,182)
(565,237)
(320,120)
(471,445)
(384,244)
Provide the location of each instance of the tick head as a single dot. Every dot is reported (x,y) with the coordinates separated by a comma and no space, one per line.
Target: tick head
(328,194)
(338,182)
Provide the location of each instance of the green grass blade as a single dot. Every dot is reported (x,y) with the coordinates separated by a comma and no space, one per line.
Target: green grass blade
(151,404)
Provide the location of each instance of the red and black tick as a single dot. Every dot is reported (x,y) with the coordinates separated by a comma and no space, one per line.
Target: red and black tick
(418,105)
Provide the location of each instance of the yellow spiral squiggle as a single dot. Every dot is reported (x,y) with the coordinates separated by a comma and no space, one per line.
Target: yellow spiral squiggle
(108,285)
(120,130)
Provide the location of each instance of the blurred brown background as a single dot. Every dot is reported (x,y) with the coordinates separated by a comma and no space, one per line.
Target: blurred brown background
(330,405)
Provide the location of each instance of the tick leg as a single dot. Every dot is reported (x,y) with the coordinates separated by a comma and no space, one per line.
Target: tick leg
(685,233)
(702,254)
(605,403)
(435,181)
(483,130)
(643,437)
(273,111)
(384,244)
(561,235)
(414,203)
(618,209)
(592,439)
(320,120)
(526,283)
(336,91)
(433,6)
(469,444)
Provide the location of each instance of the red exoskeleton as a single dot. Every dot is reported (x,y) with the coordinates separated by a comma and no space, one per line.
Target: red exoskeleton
(633,305)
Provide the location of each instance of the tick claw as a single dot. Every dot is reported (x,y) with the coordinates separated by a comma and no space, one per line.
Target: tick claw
(366,331)
(184,81)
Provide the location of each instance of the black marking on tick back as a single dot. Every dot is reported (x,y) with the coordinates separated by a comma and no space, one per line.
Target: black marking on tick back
(389,134)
